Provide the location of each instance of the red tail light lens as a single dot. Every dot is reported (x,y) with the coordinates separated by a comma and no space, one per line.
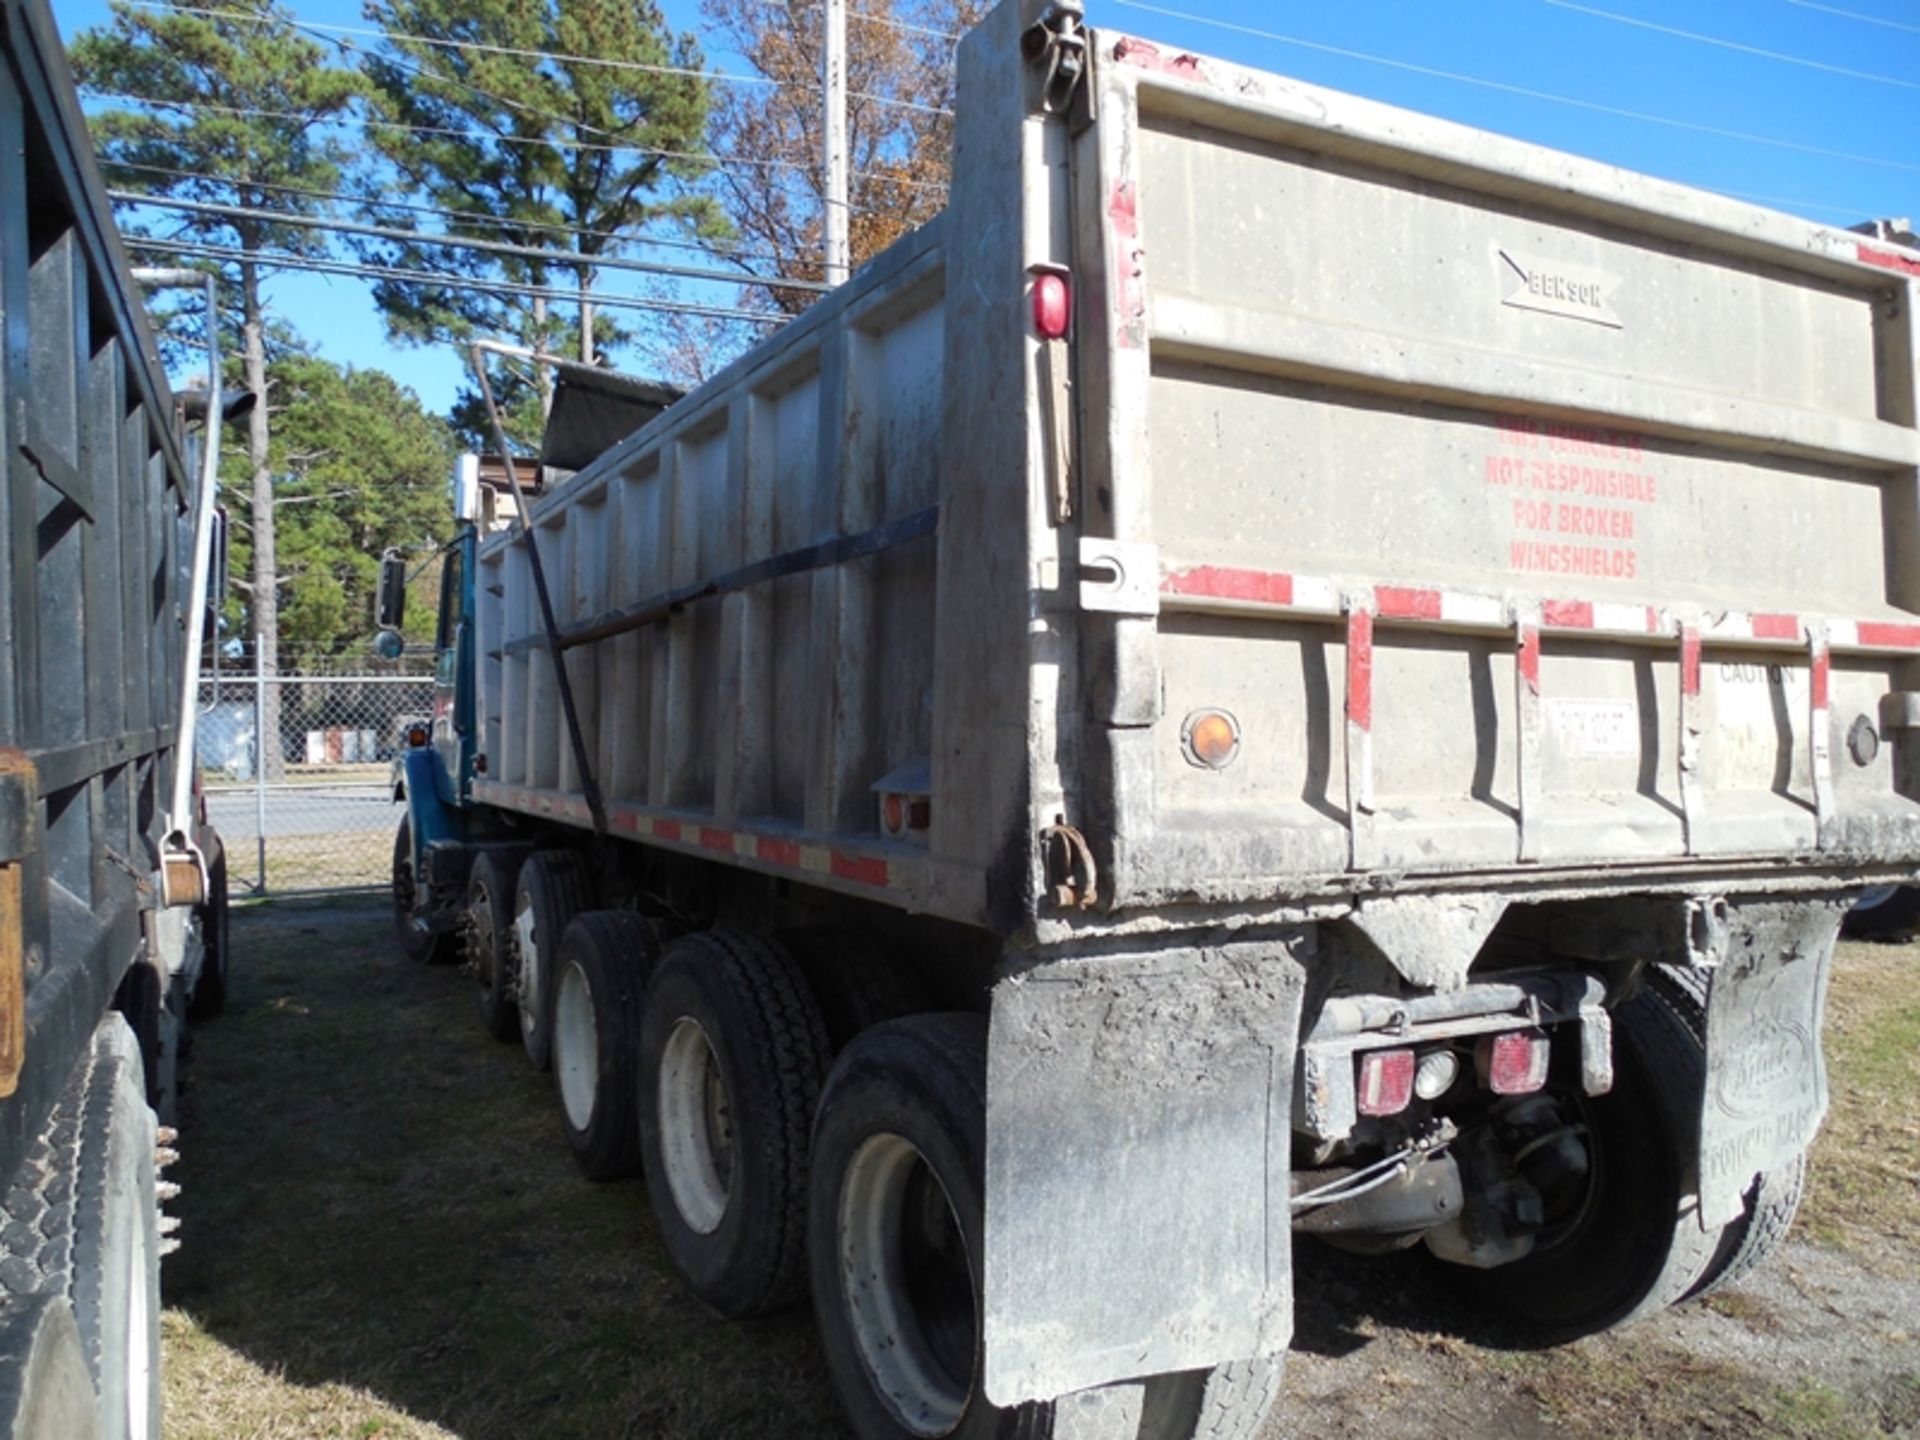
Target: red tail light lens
(1514,1063)
(1386,1081)
(417,736)
(1052,305)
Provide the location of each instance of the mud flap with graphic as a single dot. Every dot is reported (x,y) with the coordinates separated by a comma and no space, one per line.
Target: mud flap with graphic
(1766,1081)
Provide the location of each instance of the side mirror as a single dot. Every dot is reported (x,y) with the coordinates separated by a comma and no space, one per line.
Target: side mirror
(392,610)
(389,644)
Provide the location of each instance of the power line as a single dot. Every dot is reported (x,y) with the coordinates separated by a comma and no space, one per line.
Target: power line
(1855,15)
(1715,40)
(714,247)
(723,162)
(572,258)
(482,48)
(1521,90)
(277,261)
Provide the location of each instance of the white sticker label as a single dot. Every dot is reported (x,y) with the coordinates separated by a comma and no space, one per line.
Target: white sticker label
(1595,729)
(1761,698)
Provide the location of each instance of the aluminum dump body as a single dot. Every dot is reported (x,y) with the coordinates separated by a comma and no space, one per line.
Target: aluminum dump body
(1530,522)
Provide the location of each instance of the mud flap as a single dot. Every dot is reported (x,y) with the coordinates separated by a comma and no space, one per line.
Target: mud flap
(1766,1084)
(1138,1122)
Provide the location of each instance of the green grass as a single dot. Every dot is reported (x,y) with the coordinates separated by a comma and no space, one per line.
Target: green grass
(383,1232)
(1864,1191)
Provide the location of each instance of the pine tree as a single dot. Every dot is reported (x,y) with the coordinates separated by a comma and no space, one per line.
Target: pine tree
(229,107)
(570,133)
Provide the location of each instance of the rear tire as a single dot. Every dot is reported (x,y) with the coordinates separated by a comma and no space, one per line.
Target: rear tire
(732,1054)
(1229,1402)
(895,1231)
(210,990)
(1888,913)
(1633,1246)
(552,890)
(417,937)
(44,1390)
(1773,1199)
(486,943)
(82,1222)
(602,968)
(855,984)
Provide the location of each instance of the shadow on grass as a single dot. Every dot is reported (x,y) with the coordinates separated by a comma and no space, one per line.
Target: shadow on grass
(376,1194)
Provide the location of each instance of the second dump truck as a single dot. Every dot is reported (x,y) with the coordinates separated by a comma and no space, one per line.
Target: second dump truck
(1283,667)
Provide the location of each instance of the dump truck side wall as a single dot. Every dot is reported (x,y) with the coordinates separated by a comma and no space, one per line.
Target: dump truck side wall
(91,585)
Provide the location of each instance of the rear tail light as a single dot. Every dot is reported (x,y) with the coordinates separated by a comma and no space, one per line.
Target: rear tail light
(1386,1081)
(1514,1063)
(1052,303)
(417,736)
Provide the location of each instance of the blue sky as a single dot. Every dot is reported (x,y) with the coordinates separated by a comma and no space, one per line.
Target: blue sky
(1841,78)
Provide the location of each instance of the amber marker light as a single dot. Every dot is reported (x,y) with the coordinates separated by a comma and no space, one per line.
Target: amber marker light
(1210,738)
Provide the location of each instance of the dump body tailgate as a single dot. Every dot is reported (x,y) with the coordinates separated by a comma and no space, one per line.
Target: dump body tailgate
(1514,509)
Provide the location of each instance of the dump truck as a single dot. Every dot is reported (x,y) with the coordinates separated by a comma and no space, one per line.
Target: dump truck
(1284,667)
(112,885)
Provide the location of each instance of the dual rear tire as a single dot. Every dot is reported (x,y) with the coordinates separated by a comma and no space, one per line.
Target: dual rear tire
(895,1230)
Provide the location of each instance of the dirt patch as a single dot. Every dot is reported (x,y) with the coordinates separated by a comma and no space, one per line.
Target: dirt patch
(384,1235)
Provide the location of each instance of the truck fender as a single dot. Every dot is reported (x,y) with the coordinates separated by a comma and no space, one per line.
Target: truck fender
(433,819)
(1139,1109)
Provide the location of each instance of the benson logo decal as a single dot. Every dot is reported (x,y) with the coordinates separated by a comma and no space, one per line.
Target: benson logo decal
(1554,287)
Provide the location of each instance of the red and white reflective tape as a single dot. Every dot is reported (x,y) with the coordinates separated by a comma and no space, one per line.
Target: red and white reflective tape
(1233,589)
(784,852)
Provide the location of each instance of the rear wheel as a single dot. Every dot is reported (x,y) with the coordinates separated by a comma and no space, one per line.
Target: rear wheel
(895,1232)
(601,971)
(732,1053)
(1885,912)
(44,1390)
(1773,1199)
(1624,1242)
(894,1236)
(552,890)
(410,924)
(82,1222)
(487,946)
(854,982)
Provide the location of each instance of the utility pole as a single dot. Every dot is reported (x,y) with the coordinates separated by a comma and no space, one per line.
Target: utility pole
(586,316)
(833,86)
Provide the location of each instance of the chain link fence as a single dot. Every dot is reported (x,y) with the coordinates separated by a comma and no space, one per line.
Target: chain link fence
(309,811)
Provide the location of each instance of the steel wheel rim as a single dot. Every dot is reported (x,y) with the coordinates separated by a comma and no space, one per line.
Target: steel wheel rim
(576,1046)
(480,937)
(908,1285)
(528,954)
(696,1127)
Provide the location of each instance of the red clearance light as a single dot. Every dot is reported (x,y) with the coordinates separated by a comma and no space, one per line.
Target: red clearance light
(1052,304)
(1514,1063)
(1386,1081)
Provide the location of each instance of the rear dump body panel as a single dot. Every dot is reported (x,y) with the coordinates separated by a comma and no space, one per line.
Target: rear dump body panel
(1544,534)
(1518,510)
